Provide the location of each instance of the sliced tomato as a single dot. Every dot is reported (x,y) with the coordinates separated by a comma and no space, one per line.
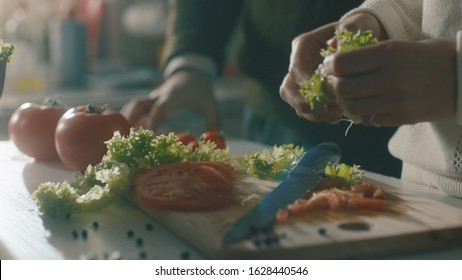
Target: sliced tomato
(214,171)
(182,186)
(224,169)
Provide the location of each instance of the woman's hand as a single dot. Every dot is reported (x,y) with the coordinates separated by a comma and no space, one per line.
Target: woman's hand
(396,82)
(183,90)
(305,58)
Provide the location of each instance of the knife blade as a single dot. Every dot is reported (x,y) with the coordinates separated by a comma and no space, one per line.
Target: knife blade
(302,177)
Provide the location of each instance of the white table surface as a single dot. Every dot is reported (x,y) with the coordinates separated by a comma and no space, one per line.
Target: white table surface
(26,235)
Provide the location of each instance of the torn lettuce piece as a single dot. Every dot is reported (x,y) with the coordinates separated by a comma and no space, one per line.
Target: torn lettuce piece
(98,187)
(143,149)
(209,151)
(56,199)
(273,165)
(348,175)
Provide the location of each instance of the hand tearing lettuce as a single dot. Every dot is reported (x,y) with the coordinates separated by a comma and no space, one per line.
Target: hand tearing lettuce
(313,89)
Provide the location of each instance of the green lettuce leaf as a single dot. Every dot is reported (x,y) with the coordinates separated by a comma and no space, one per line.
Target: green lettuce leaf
(274,164)
(348,175)
(98,187)
(6,51)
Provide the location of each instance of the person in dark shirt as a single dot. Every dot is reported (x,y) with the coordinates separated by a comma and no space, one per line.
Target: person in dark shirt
(197,45)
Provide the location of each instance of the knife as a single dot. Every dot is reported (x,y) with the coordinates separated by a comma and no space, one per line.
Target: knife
(302,177)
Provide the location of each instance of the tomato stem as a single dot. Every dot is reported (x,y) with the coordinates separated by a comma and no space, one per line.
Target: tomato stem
(91,108)
(53,102)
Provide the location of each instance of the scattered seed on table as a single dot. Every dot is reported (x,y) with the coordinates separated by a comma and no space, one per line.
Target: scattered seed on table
(271,240)
(322,231)
(75,234)
(139,242)
(149,226)
(130,233)
(185,255)
(142,255)
(95,225)
(84,234)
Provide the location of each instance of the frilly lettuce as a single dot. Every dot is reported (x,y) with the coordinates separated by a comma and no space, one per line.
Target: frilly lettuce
(105,182)
(348,175)
(313,89)
(56,199)
(143,148)
(274,164)
(98,187)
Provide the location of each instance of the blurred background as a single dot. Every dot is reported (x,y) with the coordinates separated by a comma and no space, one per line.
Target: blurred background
(94,51)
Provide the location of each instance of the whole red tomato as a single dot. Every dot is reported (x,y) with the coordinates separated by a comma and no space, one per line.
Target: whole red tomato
(32,129)
(82,131)
(214,136)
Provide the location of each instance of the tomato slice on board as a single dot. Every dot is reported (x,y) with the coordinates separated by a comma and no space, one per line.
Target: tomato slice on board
(224,169)
(182,186)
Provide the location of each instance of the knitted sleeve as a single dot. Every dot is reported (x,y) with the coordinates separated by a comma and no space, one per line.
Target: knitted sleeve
(402,19)
(201,27)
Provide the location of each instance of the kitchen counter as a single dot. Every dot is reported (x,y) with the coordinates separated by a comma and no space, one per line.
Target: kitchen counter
(120,231)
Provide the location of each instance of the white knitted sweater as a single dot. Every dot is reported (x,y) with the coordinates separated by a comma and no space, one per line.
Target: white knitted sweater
(431,151)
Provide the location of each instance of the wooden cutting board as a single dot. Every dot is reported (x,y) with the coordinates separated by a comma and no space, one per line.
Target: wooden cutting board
(410,224)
